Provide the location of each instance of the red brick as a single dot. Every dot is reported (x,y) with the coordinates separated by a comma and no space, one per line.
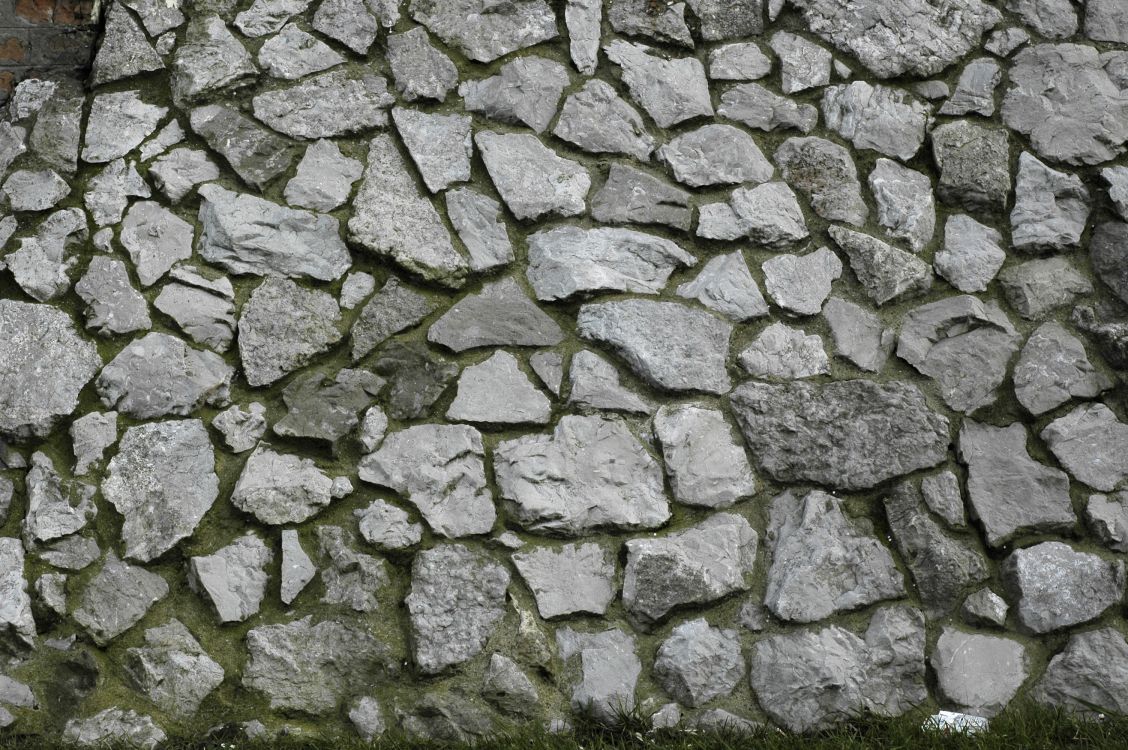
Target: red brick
(7,83)
(36,11)
(11,50)
(74,12)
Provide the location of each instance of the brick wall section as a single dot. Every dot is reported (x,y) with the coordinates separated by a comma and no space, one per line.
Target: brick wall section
(44,38)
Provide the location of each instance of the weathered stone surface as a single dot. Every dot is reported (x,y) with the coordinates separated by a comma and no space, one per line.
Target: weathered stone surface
(108,193)
(177,172)
(73,552)
(416,378)
(1089,673)
(278,488)
(113,306)
(388,527)
(499,315)
(698,663)
(803,64)
(58,127)
(324,178)
(1056,586)
(631,196)
(256,154)
(282,327)
(419,69)
(356,288)
(353,23)
(158,375)
(172,669)
(495,391)
(858,334)
(297,569)
(1107,516)
(324,409)
(852,434)
(117,124)
(985,607)
(716,154)
(569,580)
(293,53)
(884,119)
(583,19)
(1092,444)
(90,435)
(41,190)
(979,674)
(477,220)
(824,172)
(671,90)
(114,725)
(208,60)
(396,307)
(156,238)
(975,90)
(608,671)
(781,352)
(439,145)
(124,51)
(971,254)
(1050,208)
(904,202)
(268,16)
(17,624)
(741,61)
(636,18)
(485,32)
(116,598)
(725,285)
(594,383)
(531,178)
(508,688)
(1036,287)
(55,507)
(591,473)
(886,273)
(801,283)
(352,579)
(768,214)
(706,466)
(1107,253)
(203,307)
(44,262)
(457,598)
(525,90)
(974,165)
(1117,180)
(698,565)
(757,107)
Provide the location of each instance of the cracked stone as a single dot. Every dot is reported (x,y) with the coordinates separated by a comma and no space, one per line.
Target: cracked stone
(55,507)
(715,154)
(420,70)
(108,193)
(351,578)
(1092,445)
(1053,368)
(208,60)
(825,173)
(1050,208)
(785,353)
(495,391)
(326,105)
(594,383)
(1057,586)
(638,18)
(90,435)
(803,64)
(204,308)
(725,285)
(117,124)
(396,307)
(256,154)
(416,377)
(698,663)
(172,669)
(525,90)
(324,410)
(156,239)
(268,16)
(971,254)
(974,162)
(484,31)
(757,107)
(439,145)
(631,196)
(597,120)
(671,90)
(904,202)
(277,488)
(886,273)
(241,429)
(283,327)
(477,220)
(293,54)
(880,118)
(979,674)
(767,214)
(501,314)
(113,306)
(603,670)
(570,579)
(1037,287)
(116,598)
(707,467)
(324,178)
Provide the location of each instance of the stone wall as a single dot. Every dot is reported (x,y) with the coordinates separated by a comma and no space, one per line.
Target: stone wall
(438,365)
(44,39)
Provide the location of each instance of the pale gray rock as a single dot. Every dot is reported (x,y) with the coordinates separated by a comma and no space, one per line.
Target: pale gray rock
(208,60)
(1106,21)
(941,493)
(353,23)
(583,19)
(357,287)
(707,467)
(985,607)
(886,273)
(631,196)
(524,91)
(781,352)
(715,154)
(17,624)
(40,339)
(293,54)
(256,154)
(801,284)
(51,595)
(124,51)
(974,163)
(567,260)
(162,481)
(1107,516)
(483,31)
(156,239)
(768,214)
(477,220)
(167,137)
(439,145)
(108,193)
(457,599)
(904,202)
(570,579)
(1054,19)
(501,314)
(1053,368)
(157,16)
(277,488)
(971,254)
(312,668)
(978,674)
(241,429)
(297,569)
(43,263)
(450,492)
(603,669)
(931,90)
(718,720)
(283,327)
(90,435)
(392,218)
(396,307)
(55,507)
(1037,287)
(880,118)
(1062,97)
(268,16)
(740,61)
(326,105)
(1003,42)
(698,663)
(1050,208)
(975,90)
(495,391)
(173,670)
(850,434)
(962,343)
(508,688)
(725,285)
(531,178)
(73,552)
(367,718)
(28,190)
(324,178)
(373,428)
(204,308)
(420,70)
(58,127)
(113,306)
(728,19)
(638,18)
(590,473)
(643,332)
(114,726)
(1010,492)
(594,383)
(802,63)
(388,527)
(755,106)
(698,565)
(177,172)
(1088,674)
(117,124)
(671,90)
(1056,586)
(158,375)
(350,578)
(1117,180)
(116,598)
(825,173)
(1108,254)
(908,36)
(1092,445)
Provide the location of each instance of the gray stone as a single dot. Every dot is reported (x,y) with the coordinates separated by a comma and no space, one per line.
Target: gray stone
(603,688)
(293,53)
(597,120)
(501,314)
(241,430)
(350,578)
(1037,287)
(204,308)
(1054,19)
(757,107)
(971,254)
(508,688)
(1003,42)
(1056,586)
(277,488)
(451,493)
(884,119)
(885,272)
(324,178)
(569,580)
(55,507)
(801,284)
(117,124)
(256,154)
(173,670)
(637,18)
(1107,253)
(114,726)
(698,663)
(108,193)
(1107,516)
(525,90)
(356,288)
(1053,368)
(715,154)
(583,19)
(180,170)
(781,352)
(113,306)
(323,409)
(591,473)
(594,383)
(741,61)
(698,565)
(457,599)
(531,178)
(803,64)
(373,428)
(974,162)
(941,493)
(1105,21)
(671,90)
(90,435)
(1050,208)
(156,239)
(167,137)
(1065,101)
(706,466)
(447,717)
(890,40)
(985,607)
(312,668)
(157,17)
(388,527)
(209,59)
(297,569)
(17,624)
(268,16)
(850,434)
(420,70)
(979,674)
(34,191)
(58,127)
(392,218)
(824,172)
(495,391)
(1092,444)
(416,378)
(1010,492)
(283,327)
(71,552)
(768,214)
(43,263)
(904,202)
(726,19)
(124,51)
(725,285)
(439,145)
(116,598)
(975,90)
(477,220)
(1088,674)
(326,105)
(396,307)
(1117,180)
(631,196)
(353,23)
(483,31)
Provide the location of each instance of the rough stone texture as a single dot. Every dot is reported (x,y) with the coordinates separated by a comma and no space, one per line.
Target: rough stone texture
(1092,444)
(116,598)
(278,488)
(1088,673)
(569,580)
(698,663)
(172,669)
(671,90)
(608,670)
(825,173)
(498,315)
(979,674)
(800,284)
(1050,208)
(725,285)
(497,392)
(158,375)
(706,466)
(716,155)
(886,272)
(1056,586)
(282,327)
(884,119)
(256,154)
(532,179)
(114,725)
(326,105)
(233,577)
(973,161)
(971,255)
